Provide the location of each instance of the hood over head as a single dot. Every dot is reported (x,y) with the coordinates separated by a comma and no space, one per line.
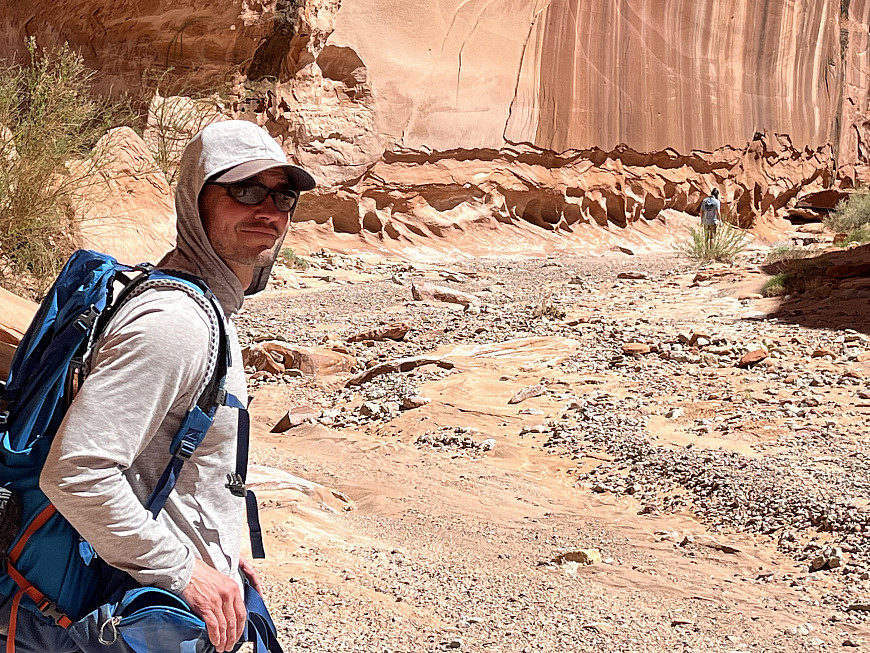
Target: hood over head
(231,150)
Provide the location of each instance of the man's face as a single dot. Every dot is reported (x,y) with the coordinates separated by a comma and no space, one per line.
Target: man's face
(243,235)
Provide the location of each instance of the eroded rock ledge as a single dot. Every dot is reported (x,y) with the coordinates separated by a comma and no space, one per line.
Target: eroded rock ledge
(547,118)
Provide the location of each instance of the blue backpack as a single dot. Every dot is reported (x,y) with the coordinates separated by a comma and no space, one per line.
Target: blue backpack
(49,568)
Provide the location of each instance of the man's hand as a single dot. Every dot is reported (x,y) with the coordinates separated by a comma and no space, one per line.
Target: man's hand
(217,600)
(251,574)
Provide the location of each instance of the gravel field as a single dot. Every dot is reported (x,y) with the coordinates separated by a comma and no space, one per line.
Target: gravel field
(680,401)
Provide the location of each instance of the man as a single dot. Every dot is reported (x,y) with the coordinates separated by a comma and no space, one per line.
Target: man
(710,215)
(236,195)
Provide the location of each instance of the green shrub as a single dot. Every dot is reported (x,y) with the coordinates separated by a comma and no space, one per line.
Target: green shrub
(851,213)
(50,122)
(776,285)
(289,258)
(723,245)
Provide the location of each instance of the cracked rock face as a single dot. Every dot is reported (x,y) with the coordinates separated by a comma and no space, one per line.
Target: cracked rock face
(439,122)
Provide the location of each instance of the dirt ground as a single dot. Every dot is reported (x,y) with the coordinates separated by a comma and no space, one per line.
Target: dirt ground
(720,505)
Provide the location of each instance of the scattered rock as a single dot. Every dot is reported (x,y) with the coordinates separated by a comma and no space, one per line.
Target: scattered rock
(752,357)
(635,349)
(821,353)
(829,557)
(395,331)
(275,357)
(421,291)
(411,402)
(527,393)
(400,365)
(581,556)
(296,416)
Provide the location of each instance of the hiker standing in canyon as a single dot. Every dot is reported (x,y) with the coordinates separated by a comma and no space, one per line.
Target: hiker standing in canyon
(235,199)
(710,208)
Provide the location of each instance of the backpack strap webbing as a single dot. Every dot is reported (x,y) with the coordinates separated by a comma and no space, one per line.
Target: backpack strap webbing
(236,482)
(43,603)
(199,419)
(13,621)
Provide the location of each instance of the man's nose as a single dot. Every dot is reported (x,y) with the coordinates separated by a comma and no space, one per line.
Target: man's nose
(267,210)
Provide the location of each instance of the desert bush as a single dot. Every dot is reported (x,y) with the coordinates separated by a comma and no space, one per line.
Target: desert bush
(548,307)
(50,123)
(175,117)
(723,245)
(782,253)
(289,258)
(851,213)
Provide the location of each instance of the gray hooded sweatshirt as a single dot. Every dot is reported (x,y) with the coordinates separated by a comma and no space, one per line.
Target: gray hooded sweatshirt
(146,372)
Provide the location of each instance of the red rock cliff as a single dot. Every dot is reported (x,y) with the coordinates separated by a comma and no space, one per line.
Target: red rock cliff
(539,116)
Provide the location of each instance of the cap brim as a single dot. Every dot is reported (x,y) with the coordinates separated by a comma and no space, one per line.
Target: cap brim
(300,179)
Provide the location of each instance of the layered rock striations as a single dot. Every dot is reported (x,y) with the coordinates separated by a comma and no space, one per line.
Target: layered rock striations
(528,118)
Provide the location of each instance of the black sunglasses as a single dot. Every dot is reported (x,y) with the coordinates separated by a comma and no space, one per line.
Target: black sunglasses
(253,193)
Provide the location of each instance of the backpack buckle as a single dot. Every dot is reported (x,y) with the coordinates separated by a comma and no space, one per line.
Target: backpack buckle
(50,610)
(86,320)
(236,485)
(186,449)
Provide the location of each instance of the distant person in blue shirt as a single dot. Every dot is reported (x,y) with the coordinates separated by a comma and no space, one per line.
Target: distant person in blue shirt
(710,214)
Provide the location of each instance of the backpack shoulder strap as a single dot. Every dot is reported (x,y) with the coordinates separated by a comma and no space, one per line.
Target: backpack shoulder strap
(200,417)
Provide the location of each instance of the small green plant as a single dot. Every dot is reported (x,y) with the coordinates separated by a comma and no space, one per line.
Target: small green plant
(724,244)
(782,253)
(289,258)
(50,123)
(851,213)
(775,286)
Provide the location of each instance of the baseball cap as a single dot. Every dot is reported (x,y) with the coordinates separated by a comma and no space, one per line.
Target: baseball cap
(299,178)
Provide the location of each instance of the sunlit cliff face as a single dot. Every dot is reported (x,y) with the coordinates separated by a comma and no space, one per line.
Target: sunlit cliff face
(548,116)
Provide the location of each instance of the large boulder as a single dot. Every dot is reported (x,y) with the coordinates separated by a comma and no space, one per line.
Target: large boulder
(15,316)
(128,209)
(277,357)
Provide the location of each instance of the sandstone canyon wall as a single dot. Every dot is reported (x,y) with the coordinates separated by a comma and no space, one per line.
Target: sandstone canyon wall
(541,121)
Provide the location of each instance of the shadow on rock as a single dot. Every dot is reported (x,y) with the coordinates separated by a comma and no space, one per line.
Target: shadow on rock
(829,291)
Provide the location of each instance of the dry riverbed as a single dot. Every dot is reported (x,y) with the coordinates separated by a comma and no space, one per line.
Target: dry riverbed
(602,454)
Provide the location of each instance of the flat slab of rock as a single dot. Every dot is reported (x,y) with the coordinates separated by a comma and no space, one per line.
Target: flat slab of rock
(262,478)
(16,314)
(7,352)
(394,331)
(398,365)
(421,291)
(527,393)
(632,275)
(752,357)
(276,357)
(296,416)
(635,348)
(848,270)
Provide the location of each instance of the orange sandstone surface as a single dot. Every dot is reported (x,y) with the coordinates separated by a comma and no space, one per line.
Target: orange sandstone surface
(431,127)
